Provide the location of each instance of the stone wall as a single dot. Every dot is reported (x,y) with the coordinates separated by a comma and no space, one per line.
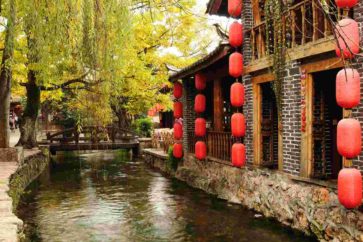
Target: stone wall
(145,143)
(158,160)
(22,173)
(313,209)
(310,208)
(32,166)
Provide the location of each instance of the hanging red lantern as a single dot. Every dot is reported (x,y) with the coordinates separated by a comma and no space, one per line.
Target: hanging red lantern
(347,32)
(349,140)
(178,90)
(238,123)
(200,150)
(199,104)
(178,110)
(350,188)
(178,130)
(238,155)
(236,34)
(200,127)
(178,150)
(200,81)
(235,8)
(236,64)
(346,3)
(348,88)
(237,94)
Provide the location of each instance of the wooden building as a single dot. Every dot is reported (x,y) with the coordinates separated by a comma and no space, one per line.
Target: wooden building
(303,142)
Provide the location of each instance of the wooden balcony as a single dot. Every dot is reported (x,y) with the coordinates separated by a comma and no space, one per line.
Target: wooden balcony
(306,29)
(219,144)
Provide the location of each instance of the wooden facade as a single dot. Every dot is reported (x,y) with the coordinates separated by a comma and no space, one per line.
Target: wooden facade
(301,142)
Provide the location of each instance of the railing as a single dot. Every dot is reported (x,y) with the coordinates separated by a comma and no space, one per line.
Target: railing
(93,134)
(163,140)
(302,23)
(219,144)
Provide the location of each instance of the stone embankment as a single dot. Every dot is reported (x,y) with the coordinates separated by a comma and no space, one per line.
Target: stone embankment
(18,169)
(311,208)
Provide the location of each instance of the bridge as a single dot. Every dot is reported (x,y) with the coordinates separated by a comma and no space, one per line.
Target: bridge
(92,138)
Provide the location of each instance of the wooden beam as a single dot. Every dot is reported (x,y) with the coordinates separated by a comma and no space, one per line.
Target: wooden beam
(256,12)
(306,164)
(323,65)
(257,139)
(218,113)
(263,78)
(311,49)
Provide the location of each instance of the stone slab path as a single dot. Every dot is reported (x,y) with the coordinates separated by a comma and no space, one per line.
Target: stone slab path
(9,223)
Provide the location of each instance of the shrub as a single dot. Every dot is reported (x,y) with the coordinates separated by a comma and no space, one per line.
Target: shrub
(172,161)
(143,127)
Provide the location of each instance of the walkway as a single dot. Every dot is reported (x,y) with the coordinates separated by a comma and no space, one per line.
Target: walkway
(9,223)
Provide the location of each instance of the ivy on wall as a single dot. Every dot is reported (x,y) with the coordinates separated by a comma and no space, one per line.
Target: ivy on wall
(275,45)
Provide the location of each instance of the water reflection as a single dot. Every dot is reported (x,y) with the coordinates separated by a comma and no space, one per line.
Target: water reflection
(103,197)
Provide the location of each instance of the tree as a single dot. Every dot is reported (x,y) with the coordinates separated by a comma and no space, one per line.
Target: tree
(102,56)
(6,74)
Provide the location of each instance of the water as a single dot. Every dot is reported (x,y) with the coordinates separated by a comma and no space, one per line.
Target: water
(103,197)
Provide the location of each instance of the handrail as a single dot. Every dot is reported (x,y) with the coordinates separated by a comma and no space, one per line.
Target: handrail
(307,24)
(94,130)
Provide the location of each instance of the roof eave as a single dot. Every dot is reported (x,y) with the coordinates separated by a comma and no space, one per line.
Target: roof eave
(221,51)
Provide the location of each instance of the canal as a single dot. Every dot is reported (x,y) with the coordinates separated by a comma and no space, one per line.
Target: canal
(102,196)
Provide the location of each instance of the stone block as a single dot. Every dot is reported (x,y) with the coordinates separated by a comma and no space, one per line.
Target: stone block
(9,155)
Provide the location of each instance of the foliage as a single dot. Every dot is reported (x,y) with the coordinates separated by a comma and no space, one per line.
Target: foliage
(143,127)
(117,50)
(172,161)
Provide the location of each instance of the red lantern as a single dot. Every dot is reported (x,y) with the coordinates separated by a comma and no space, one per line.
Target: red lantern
(347,32)
(237,94)
(199,104)
(200,81)
(178,130)
(236,34)
(348,88)
(200,150)
(238,155)
(346,3)
(235,8)
(350,188)
(238,125)
(178,110)
(349,140)
(200,127)
(178,90)
(178,150)
(236,64)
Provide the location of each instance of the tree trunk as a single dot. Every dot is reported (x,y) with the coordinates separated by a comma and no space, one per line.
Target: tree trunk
(5,78)
(28,122)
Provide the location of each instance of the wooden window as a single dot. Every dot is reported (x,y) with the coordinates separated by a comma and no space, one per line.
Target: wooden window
(313,141)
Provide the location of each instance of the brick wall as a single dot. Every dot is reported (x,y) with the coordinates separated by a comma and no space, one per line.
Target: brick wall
(358,112)
(247,20)
(291,118)
(189,93)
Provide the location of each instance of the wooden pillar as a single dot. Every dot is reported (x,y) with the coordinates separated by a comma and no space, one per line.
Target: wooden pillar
(218,105)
